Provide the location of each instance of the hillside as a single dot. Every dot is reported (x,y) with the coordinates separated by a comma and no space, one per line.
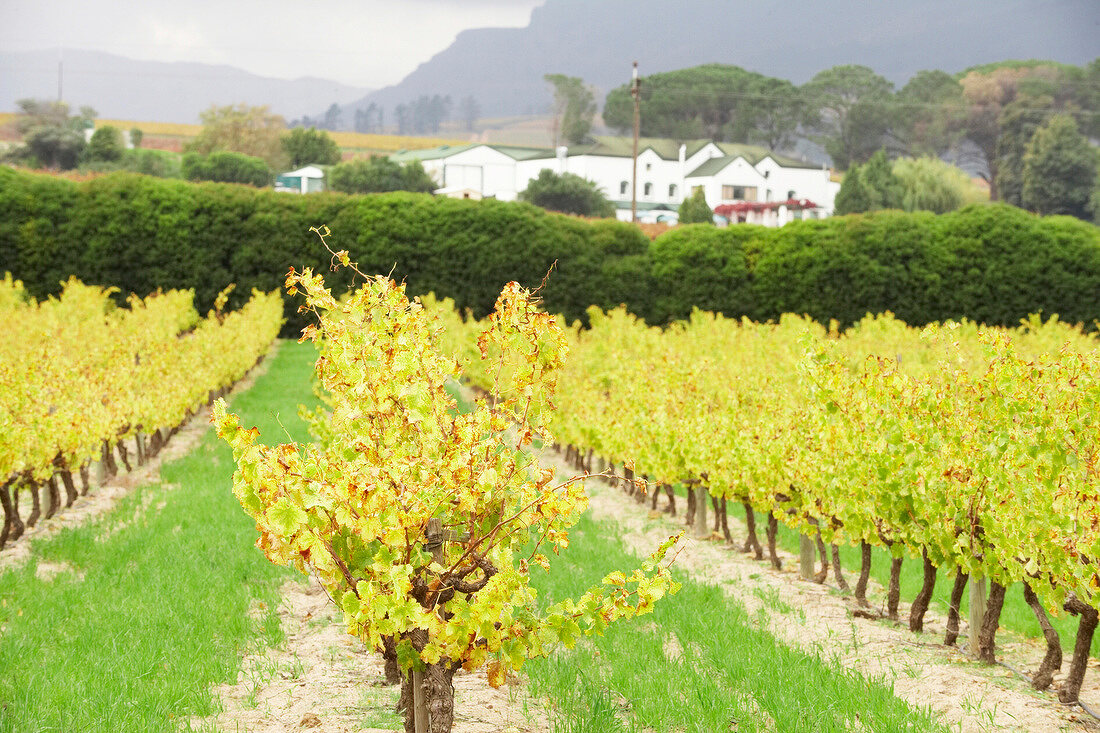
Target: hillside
(120,87)
(597,40)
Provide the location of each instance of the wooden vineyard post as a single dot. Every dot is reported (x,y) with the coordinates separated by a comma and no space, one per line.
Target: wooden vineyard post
(701,529)
(978,596)
(100,472)
(806,557)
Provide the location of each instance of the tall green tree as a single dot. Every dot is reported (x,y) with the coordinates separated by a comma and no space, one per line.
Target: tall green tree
(851,110)
(869,187)
(310,146)
(717,101)
(1059,169)
(1003,100)
(882,185)
(852,198)
(574,108)
(567,193)
(927,113)
(379,175)
(1018,122)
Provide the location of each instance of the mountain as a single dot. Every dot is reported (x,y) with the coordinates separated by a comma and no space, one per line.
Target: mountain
(128,89)
(502,68)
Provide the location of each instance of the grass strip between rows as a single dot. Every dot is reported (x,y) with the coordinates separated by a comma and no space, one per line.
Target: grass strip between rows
(697,663)
(152,608)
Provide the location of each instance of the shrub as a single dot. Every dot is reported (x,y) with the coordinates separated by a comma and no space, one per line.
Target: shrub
(993,263)
(380,175)
(696,210)
(567,193)
(226,167)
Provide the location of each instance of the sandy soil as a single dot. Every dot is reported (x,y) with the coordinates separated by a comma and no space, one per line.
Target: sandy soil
(817,618)
(102,497)
(322,679)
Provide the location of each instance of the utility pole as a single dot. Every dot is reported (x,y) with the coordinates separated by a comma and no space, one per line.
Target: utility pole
(637,126)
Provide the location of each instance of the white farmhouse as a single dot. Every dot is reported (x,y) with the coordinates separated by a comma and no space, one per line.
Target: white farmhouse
(741,182)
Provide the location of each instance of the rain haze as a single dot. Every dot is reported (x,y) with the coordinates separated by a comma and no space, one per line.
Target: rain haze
(363,44)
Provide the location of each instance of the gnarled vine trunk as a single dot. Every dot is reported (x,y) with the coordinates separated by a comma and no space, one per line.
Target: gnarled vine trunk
(957,590)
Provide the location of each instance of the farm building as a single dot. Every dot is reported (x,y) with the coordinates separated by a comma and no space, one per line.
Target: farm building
(776,188)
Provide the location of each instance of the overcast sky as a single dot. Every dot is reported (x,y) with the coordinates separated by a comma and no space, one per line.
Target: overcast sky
(369,43)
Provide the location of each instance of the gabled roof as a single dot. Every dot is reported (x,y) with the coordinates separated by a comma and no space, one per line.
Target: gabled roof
(623,147)
(515,152)
(714,166)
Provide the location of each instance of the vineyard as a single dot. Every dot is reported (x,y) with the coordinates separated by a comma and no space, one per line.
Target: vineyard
(450,511)
(968,448)
(82,380)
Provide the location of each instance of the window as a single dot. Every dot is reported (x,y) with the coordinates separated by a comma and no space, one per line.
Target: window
(790,194)
(768,195)
(672,190)
(739,193)
(624,186)
(648,189)
(649,166)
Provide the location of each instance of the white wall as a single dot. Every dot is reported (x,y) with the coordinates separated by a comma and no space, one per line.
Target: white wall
(492,173)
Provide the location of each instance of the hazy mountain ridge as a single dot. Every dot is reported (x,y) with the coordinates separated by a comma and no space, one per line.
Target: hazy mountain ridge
(123,88)
(597,40)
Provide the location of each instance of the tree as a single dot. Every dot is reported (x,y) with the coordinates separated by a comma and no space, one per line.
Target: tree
(567,193)
(718,101)
(869,187)
(778,114)
(930,184)
(469,111)
(426,539)
(989,90)
(928,112)
(1018,122)
(224,166)
(852,198)
(136,136)
(574,108)
(332,117)
(695,209)
(850,109)
(52,137)
(312,146)
(404,119)
(105,145)
(883,187)
(253,131)
(379,175)
(1059,169)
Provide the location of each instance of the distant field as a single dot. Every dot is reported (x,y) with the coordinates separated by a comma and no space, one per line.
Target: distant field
(352,141)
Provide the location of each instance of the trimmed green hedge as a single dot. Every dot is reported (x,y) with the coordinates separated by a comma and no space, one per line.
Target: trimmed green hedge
(991,263)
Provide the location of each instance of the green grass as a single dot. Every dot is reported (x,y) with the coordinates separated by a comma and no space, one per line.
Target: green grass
(155,612)
(697,663)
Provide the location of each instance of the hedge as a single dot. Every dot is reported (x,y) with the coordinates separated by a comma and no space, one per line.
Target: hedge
(991,263)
